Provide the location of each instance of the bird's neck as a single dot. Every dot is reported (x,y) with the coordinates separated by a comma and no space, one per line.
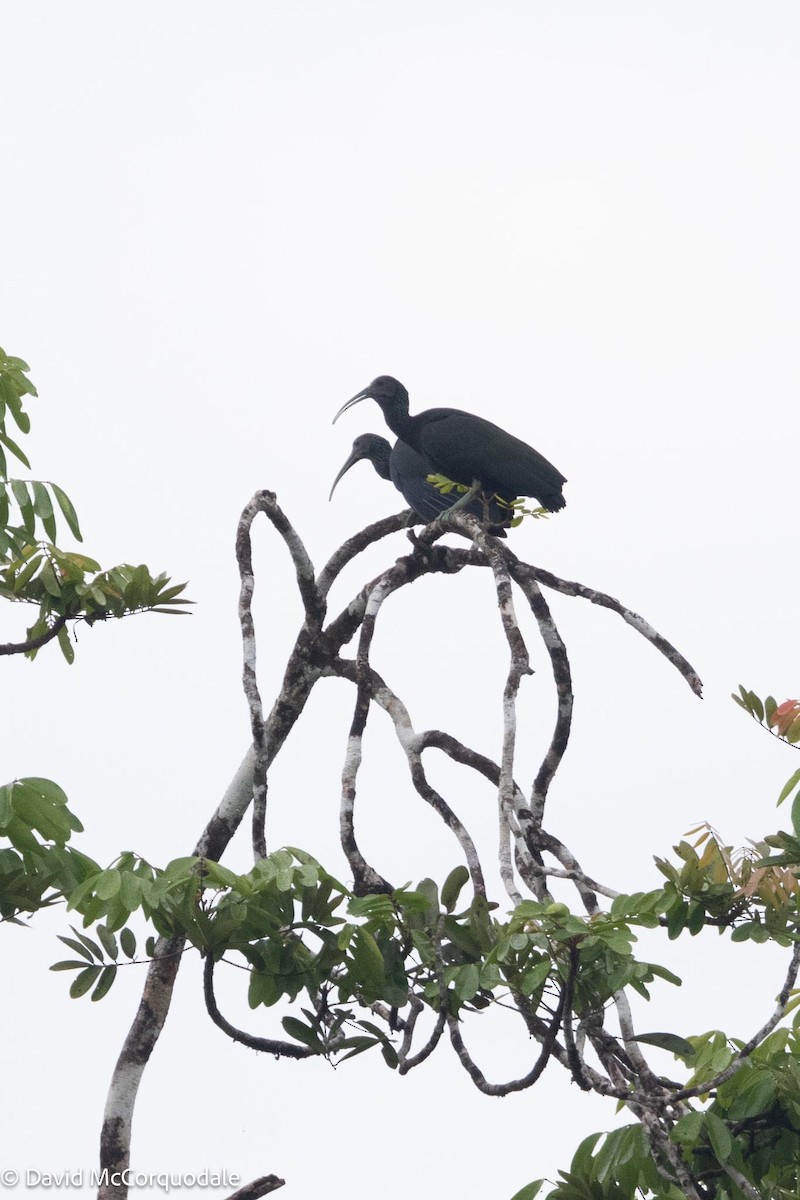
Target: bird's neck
(402,425)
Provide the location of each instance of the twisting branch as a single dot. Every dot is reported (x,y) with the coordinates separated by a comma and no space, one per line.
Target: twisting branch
(355,545)
(411,744)
(317,653)
(520,570)
(280,1049)
(519,666)
(314,606)
(514,1085)
(407,1063)
(311,654)
(563,680)
(244,558)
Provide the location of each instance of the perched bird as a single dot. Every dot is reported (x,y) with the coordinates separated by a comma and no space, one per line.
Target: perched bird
(466,448)
(408,472)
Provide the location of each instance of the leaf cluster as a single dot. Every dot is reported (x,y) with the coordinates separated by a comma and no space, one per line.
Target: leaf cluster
(64,585)
(782,720)
(752,1123)
(517,506)
(37,867)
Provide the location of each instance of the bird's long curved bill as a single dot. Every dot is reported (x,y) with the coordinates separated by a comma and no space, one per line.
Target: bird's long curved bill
(354,458)
(362,395)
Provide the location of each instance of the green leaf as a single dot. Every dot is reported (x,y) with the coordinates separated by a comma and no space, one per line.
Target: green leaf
(45,788)
(107,977)
(753,1095)
(81,984)
(452,886)
(301,1032)
(532,980)
(107,884)
(68,964)
(107,941)
(719,1135)
(65,644)
(789,786)
(368,960)
(663,973)
(43,507)
(687,1130)
(42,504)
(90,945)
(20,490)
(529,1191)
(14,448)
(390,1056)
(48,578)
(583,1155)
(668,1041)
(467,981)
(66,506)
(127,940)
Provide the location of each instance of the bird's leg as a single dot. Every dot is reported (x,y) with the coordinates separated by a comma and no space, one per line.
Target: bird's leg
(464,500)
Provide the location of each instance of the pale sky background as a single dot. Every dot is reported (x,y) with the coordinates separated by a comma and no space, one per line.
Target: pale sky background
(218,223)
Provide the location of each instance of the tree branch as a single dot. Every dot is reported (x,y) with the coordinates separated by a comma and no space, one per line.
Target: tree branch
(280,1049)
(35,643)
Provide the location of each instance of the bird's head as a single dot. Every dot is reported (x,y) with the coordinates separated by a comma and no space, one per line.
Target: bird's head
(371,446)
(386,391)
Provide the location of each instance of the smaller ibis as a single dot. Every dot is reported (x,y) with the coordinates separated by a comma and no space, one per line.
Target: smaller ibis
(408,472)
(467,449)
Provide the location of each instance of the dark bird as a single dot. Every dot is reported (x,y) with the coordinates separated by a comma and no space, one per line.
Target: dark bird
(466,448)
(408,472)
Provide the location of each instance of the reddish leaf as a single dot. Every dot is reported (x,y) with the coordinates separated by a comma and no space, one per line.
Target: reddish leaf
(784,715)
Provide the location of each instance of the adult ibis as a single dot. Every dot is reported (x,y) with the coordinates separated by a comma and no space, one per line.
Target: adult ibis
(467,449)
(408,472)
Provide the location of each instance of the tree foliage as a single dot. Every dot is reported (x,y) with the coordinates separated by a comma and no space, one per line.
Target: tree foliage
(403,970)
(37,866)
(63,586)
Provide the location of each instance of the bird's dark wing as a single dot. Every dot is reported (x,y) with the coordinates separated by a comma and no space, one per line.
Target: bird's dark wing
(466,447)
(409,472)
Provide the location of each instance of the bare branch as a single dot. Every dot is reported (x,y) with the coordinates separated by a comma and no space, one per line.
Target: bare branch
(258,1188)
(514,1085)
(578,877)
(244,557)
(563,681)
(407,1064)
(519,570)
(354,545)
(567,859)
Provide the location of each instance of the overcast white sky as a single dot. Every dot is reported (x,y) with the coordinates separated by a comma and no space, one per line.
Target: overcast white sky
(218,223)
